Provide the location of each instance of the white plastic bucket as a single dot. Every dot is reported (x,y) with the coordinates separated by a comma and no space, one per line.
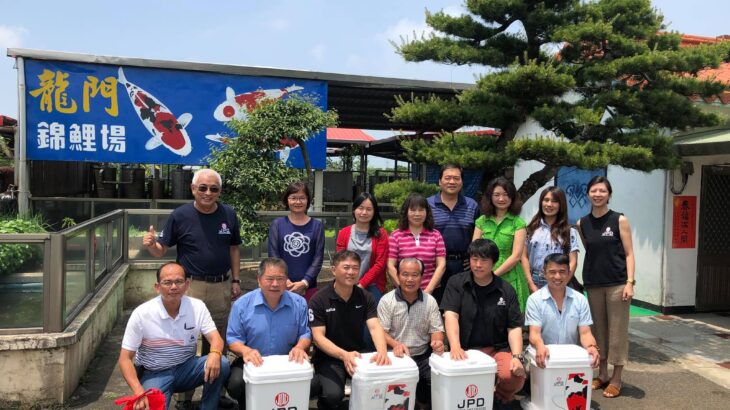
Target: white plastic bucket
(384,387)
(564,383)
(278,383)
(462,384)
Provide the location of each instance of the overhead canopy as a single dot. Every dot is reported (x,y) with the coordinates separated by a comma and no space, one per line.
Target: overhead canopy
(360,100)
(708,142)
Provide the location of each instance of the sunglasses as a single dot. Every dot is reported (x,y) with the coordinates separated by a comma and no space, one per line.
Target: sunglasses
(213,189)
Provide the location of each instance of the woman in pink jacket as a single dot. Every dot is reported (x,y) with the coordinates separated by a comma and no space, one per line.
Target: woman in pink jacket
(368,239)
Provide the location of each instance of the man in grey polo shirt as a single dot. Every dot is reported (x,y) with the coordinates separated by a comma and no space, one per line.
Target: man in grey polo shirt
(412,324)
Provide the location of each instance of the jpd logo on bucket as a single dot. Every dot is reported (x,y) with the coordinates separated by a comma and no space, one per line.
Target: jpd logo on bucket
(472,402)
(281,400)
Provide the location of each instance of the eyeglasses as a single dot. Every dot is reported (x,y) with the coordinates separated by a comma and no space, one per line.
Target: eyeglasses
(169,283)
(298,199)
(213,189)
(271,279)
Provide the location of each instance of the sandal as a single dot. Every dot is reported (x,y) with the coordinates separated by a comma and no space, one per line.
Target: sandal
(598,383)
(612,391)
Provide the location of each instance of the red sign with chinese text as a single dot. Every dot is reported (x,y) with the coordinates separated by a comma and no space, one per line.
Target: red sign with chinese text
(684,221)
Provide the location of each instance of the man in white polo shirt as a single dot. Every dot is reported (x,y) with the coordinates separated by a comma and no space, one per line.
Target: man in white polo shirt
(160,342)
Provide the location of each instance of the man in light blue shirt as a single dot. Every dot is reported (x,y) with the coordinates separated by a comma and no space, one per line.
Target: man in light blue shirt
(557,314)
(267,321)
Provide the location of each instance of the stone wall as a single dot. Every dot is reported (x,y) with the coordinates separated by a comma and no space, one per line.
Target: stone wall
(46,367)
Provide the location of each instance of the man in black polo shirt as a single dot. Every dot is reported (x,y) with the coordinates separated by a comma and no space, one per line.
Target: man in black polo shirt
(337,315)
(481,312)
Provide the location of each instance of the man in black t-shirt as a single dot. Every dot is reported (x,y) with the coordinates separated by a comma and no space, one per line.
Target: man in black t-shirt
(337,315)
(481,312)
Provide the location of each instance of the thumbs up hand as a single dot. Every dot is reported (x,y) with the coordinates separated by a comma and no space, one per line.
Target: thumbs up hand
(149,238)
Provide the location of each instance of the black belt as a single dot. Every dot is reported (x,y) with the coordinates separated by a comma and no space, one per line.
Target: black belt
(457,256)
(211,278)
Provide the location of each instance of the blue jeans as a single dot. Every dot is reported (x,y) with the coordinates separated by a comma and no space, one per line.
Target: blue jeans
(187,376)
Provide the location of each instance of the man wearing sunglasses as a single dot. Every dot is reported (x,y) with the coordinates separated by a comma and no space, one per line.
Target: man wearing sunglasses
(207,235)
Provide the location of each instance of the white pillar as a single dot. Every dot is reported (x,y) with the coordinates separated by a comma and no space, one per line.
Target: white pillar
(318,190)
(21,169)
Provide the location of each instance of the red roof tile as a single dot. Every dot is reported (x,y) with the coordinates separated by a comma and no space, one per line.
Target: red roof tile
(721,73)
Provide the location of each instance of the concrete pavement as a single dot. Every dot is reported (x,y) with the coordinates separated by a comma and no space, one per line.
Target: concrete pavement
(677,362)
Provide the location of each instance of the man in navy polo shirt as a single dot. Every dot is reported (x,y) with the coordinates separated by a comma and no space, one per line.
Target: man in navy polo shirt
(207,235)
(160,341)
(338,314)
(267,321)
(453,216)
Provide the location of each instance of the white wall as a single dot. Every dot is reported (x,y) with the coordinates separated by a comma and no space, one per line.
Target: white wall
(681,264)
(640,196)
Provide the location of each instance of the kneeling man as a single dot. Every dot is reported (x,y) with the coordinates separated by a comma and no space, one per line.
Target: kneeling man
(412,324)
(267,321)
(481,312)
(161,339)
(337,315)
(557,314)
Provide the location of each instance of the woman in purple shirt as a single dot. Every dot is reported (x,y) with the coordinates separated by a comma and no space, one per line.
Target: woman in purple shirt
(299,240)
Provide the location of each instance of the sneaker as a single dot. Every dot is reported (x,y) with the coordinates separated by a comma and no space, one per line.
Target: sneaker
(226,402)
(348,387)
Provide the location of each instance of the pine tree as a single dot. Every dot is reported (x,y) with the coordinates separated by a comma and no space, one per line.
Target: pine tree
(601,78)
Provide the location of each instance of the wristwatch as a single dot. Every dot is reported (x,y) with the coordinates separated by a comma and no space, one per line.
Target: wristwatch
(631,281)
(519,357)
(236,281)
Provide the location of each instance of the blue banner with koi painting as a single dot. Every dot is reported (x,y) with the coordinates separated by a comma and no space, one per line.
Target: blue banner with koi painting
(124,114)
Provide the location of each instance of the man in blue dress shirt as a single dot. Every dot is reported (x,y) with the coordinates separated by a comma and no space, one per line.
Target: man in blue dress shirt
(267,321)
(557,314)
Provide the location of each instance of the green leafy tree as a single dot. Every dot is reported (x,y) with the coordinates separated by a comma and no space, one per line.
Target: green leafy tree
(396,192)
(599,77)
(253,178)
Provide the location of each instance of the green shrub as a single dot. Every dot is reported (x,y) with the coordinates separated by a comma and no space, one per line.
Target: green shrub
(396,192)
(13,256)
(390,225)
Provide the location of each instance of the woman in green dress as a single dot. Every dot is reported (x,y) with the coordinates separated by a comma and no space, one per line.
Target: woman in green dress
(500,222)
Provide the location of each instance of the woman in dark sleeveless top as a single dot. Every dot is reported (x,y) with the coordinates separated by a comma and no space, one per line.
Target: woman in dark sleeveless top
(608,276)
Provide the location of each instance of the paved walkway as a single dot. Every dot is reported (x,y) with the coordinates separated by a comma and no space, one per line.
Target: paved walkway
(677,362)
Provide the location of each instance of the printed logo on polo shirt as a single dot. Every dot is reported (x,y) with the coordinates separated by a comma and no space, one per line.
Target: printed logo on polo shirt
(358,306)
(162,233)
(224,229)
(329,310)
(608,232)
(501,302)
(188,328)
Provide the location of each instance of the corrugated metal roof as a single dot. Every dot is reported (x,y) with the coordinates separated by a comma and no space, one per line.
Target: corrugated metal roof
(348,135)
(708,142)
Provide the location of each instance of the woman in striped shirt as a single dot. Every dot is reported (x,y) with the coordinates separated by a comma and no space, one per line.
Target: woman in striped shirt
(416,238)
